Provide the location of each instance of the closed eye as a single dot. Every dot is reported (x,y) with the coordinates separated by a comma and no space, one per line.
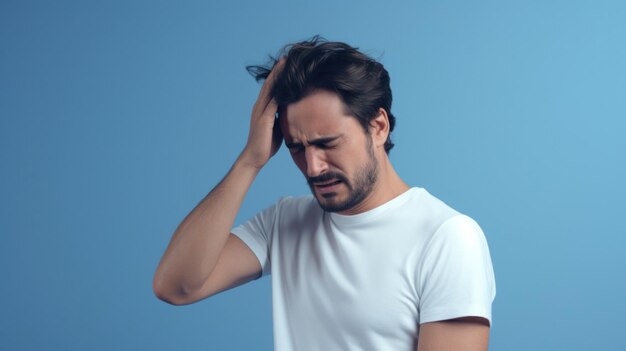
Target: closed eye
(326,146)
(295,148)
(324,143)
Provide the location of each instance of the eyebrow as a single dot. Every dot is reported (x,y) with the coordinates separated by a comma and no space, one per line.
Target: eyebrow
(318,141)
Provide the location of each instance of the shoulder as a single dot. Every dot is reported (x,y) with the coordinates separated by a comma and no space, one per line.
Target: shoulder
(443,226)
(427,212)
(297,207)
(458,239)
(460,229)
(448,224)
(433,207)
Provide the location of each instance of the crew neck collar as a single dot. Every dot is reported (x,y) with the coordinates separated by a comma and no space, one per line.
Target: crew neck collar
(363,217)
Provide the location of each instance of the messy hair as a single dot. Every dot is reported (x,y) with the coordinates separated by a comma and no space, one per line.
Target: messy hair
(361,82)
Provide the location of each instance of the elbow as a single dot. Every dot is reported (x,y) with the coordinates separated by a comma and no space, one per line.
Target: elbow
(167,298)
(172,300)
(168,295)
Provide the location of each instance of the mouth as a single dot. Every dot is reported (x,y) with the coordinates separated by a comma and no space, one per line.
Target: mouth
(328,186)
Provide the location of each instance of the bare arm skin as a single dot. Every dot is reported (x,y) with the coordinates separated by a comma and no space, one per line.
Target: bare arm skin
(203,257)
(462,334)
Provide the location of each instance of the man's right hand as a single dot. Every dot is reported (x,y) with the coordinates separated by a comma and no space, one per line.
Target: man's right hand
(264,137)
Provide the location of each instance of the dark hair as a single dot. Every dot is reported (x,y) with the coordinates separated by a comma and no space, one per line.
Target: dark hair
(361,82)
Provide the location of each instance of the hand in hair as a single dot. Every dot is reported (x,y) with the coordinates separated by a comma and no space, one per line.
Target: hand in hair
(264,137)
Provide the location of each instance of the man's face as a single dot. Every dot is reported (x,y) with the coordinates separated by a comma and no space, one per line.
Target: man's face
(331,149)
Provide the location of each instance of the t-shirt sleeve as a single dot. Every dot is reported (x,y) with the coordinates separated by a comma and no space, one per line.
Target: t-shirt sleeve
(456,276)
(257,233)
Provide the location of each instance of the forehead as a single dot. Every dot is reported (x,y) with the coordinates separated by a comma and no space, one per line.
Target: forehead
(319,114)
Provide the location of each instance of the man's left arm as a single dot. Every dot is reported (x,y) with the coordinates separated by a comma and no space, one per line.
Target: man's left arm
(456,289)
(467,334)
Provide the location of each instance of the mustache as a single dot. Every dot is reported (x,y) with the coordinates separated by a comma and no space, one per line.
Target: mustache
(324,177)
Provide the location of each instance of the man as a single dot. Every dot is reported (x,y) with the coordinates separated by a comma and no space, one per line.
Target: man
(366,262)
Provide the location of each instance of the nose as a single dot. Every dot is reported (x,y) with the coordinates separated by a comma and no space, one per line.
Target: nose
(315,163)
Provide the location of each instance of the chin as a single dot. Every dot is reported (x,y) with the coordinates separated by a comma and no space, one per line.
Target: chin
(332,204)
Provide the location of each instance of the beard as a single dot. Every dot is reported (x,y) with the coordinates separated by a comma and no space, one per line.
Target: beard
(358,188)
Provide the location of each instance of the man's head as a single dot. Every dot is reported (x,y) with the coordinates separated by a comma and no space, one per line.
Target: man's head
(331,150)
(333,105)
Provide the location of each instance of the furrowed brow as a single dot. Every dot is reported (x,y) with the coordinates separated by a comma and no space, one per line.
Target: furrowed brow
(318,141)
(324,140)
(293,144)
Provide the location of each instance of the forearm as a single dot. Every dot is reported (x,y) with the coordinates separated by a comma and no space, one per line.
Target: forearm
(199,239)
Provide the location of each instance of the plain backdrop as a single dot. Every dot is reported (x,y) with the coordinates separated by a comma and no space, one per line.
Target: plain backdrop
(117,117)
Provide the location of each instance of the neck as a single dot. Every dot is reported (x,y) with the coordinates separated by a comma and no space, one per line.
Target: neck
(388,186)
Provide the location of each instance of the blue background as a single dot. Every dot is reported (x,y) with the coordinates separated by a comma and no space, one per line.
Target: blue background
(118,117)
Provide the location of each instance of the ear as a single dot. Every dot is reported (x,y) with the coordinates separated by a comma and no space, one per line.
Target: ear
(379,128)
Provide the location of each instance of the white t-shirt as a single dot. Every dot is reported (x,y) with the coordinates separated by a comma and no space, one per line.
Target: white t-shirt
(366,281)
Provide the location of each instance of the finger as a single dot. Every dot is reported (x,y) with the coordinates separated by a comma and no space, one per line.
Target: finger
(270,80)
(278,67)
(270,108)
